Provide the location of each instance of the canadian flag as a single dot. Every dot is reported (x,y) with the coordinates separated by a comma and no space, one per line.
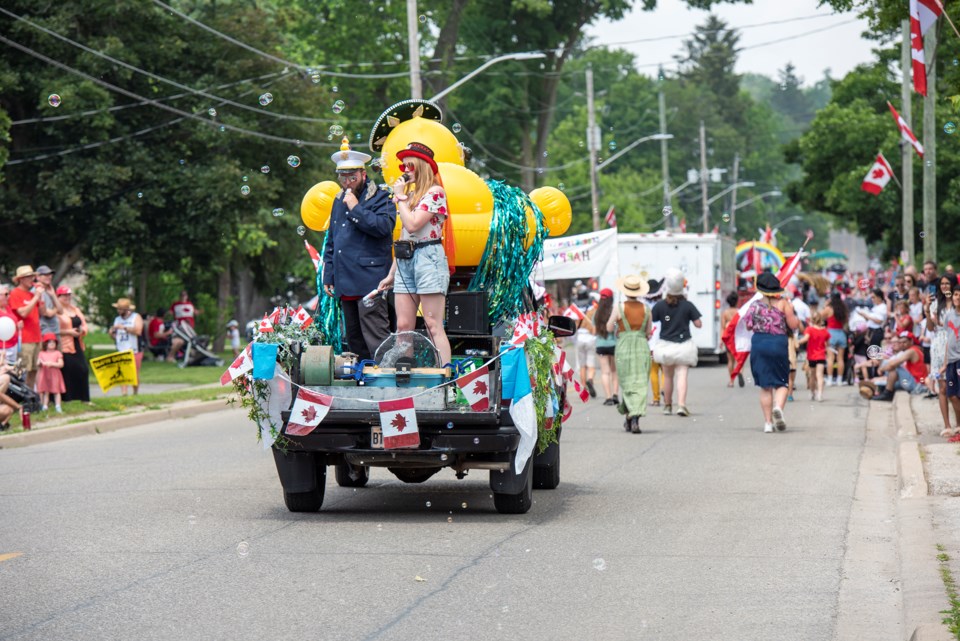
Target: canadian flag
(905,132)
(240,366)
(923,15)
(476,388)
(314,255)
(574,312)
(563,368)
(308,410)
(302,318)
(265,326)
(611,217)
(878,176)
(735,335)
(399,423)
(528,326)
(683,225)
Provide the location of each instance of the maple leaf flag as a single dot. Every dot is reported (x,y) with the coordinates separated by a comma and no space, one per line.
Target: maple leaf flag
(923,15)
(240,366)
(314,255)
(302,318)
(574,312)
(905,132)
(476,388)
(611,217)
(399,423)
(308,410)
(878,176)
(265,326)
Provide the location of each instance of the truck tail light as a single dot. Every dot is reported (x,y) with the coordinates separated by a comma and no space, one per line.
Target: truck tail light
(718,285)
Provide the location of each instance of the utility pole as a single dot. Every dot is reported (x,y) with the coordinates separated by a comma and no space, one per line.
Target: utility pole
(592,144)
(664,159)
(413,45)
(703,178)
(906,151)
(733,194)
(930,150)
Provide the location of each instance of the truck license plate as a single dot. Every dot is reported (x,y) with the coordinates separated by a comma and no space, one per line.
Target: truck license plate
(376,437)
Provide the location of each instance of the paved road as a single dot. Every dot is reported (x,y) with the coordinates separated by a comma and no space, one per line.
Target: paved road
(699,528)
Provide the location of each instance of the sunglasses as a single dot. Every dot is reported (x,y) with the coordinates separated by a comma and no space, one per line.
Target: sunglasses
(409,166)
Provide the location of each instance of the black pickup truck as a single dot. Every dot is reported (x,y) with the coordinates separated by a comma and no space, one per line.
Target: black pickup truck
(451,435)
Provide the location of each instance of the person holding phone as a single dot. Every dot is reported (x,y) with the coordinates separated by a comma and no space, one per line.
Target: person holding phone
(26,301)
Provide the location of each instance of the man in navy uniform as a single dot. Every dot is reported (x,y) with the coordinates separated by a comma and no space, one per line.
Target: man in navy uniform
(358,252)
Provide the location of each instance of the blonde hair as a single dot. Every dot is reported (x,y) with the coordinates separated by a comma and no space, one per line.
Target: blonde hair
(816,319)
(423,180)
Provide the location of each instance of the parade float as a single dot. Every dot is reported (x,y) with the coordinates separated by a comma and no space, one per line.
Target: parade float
(499,405)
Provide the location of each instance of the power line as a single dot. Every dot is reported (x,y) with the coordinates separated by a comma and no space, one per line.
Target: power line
(159,105)
(149,74)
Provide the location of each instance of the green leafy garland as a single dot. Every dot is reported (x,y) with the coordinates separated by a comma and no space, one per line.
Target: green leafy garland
(540,357)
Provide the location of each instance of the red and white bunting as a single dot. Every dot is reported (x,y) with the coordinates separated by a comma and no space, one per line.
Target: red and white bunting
(476,388)
(611,217)
(549,414)
(242,364)
(399,423)
(308,410)
(566,371)
(574,312)
(905,131)
(314,255)
(265,326)
(878,176)
(302,318)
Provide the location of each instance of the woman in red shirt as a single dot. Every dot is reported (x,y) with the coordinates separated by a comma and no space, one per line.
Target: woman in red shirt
(816,336)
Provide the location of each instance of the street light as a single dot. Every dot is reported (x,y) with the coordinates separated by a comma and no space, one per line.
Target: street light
(784,222)
(631,146)
(489,63)
(726,191)
(775,192)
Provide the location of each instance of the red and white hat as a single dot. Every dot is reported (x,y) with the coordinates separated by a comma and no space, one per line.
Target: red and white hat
(421,151)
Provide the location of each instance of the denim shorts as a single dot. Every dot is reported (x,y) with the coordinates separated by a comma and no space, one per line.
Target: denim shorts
(425,273)
(905,380)
(838,339)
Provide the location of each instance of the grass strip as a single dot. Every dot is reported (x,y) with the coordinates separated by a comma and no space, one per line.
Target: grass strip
(951,617)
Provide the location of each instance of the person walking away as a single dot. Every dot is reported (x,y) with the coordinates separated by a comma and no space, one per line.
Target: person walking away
(770,318)
(676,351)
(126,330)
(357,254)
(836,314)
(606,344)
(8,348)
(656,372)
(26,302)
(936,310)
(725,319)
(631,321)
(50,378)
(51,308)
(421,269)
(815,337)
(73,328)
(586,347)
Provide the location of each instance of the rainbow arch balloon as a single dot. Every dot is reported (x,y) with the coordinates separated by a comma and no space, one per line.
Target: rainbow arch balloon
(770,256)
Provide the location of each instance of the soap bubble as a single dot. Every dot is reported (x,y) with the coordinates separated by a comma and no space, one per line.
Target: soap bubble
(265,169)
(265,99)
(278,212)
(246,178)
(455,127)
(874,352)
(429,504)
(339,106)
(293,161)
(923,234)
(423,19)
(301,230)
(222,129)
(599,564)
(464,505)
(245,190)
(561,186)
(54,100)
(334,88)
(336,130)
(450,425)
(212,112)
(725,218)
(580,144)
(612,146)
(950,127)
(182,161)
(443,457)
(139,194)
(315,78)
(667,211)
(863,283)
(243,548)
(476,440)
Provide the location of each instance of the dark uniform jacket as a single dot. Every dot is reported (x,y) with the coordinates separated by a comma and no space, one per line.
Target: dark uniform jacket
(358,251)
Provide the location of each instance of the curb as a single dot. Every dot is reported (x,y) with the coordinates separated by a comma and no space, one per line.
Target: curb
(110,424)
(913,482)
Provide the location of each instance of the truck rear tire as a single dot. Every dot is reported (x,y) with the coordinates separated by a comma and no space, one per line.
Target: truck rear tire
(546,468)
(516,503)
(308,501)
(361,474)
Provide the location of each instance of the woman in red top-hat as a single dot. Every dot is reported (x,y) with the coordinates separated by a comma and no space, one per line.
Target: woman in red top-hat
(421,269)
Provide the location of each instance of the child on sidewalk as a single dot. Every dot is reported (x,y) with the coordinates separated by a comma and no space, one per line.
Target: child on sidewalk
(233,333)
(815,336)
(50,378)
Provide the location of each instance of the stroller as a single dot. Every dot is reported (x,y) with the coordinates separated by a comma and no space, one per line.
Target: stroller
(21,393)
(196,350)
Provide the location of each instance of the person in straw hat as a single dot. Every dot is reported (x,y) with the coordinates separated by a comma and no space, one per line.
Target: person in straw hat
(632,323)
(27,303)
(126,330)
(770,319)
(676,352)
(357,255)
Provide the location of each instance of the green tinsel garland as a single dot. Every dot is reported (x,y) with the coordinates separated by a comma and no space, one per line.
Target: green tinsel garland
(505,266)
(328,309)
(540,358)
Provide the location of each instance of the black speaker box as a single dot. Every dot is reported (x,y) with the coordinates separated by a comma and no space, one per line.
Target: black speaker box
(467,313)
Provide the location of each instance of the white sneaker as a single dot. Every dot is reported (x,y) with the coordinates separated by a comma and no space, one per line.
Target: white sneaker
(819,398)
(767,428)
(43,408)
(778,420)
(831,382)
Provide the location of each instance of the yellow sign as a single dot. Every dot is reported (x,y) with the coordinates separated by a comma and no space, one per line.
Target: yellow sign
(119,368)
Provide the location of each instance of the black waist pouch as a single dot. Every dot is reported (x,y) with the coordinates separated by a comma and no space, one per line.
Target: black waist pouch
(403,249)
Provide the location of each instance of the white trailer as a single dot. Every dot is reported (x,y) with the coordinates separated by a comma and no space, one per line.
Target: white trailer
(707,260)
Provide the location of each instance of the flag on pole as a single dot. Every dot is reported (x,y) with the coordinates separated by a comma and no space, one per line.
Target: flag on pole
(878,176)
(736,337)
(923,15)
(574,312)
(611,217)
(314,255)
(241,365)
(302,318)
(308,410)
(683,225)
(905,130)
(265,326)
(398,420)
(476,388)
